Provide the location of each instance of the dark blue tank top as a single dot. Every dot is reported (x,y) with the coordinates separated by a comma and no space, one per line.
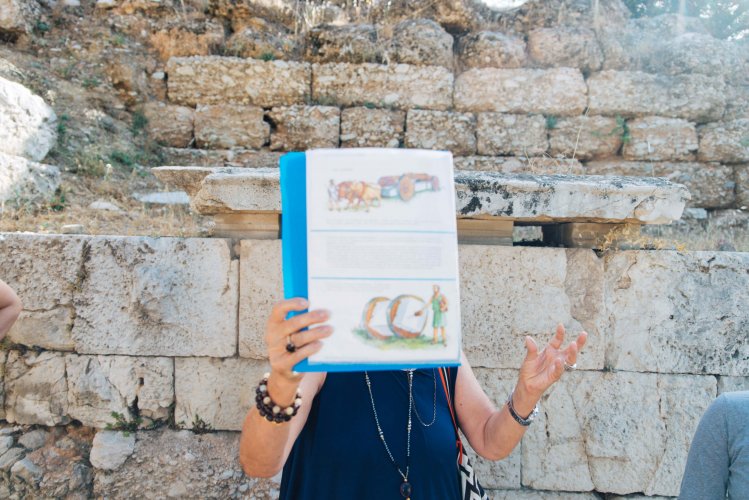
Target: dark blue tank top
(338,454)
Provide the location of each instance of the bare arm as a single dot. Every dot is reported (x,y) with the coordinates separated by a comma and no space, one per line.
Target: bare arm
(10,308)
(495,433)
(265,446)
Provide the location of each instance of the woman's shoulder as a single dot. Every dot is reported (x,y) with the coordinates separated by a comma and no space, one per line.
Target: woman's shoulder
(733,407)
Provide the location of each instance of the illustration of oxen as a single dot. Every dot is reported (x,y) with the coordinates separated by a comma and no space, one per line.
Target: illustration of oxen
(357,193)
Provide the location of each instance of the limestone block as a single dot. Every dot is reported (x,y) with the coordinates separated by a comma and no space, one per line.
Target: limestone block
(615,432)
(657,138)
(711,185)
(100,385)
(217,392)
(443,130)
(572,47)
(560,91)
(3,358)
(260,287)
(36,388)
(169,124)
(16,16)
(546,286)
(371,128)
(677,313)
(298,128)
(737,102)
(541,495)
(111,449)
(173,297)
(698,98)
(742,185)
(731,384)
(179,42)
(505,473)
(514,165)
(586,137)
(23,181)
(491,49)
(352,43)
(517,135)
(422,41)
(229,190)
(230,126)
(43,271)
(28,126)
(726,141)
(222,80)
(167,463)
(400,86)
(220,157)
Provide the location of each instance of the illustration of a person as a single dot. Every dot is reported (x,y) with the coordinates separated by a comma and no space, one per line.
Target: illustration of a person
(439,314)
(332,196)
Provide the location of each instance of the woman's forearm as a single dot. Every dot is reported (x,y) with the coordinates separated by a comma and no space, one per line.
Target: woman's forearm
(501,432)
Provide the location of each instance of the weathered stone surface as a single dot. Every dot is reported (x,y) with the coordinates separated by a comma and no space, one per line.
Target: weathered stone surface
(696,98)
(422,41)
(3,359)
(400,86)
(16,17)
(726,141)
(517,135)
(260,287)
(512,165)
(110,449)
(568,198)
(10,457)
(100,385)
(742,185)
(220,157)
(163,198)
(28,126)
(27,471)
(560,91)
(615,432)
(711,185)
(571,47)
(585,137)
(542,495)
(505,473)
(495,322)
(23,181)
(364,127)
(352,43)
(35,388)
(298,128)
(443,130)
(221,80)
(230,126)
(158,287)
(215,391)
(180,42)
(657,138)
(666,332)
(230,190)
(34,439)
(169,463)
(43,270)
(490,49)
(258,42)
(730,384)
(169,124)
(737,102)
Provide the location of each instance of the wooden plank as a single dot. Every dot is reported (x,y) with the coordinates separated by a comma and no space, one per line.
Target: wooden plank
(593,235)
(258,226)
(485,231)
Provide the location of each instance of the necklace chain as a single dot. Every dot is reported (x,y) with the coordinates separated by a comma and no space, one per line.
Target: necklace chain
(434,404)
(382,435)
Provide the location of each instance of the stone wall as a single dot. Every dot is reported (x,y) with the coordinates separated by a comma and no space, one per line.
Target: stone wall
(163,336)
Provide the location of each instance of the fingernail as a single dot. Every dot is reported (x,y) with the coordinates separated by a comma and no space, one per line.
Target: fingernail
(323,313)
(302,302)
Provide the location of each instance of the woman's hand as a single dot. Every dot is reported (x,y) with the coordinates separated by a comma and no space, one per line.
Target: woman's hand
(281,332)
(541,369)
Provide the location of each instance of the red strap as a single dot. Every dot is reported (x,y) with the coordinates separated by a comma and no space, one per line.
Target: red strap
(458,442)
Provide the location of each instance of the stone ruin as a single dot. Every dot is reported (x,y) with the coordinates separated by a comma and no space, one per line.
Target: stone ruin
(548,113)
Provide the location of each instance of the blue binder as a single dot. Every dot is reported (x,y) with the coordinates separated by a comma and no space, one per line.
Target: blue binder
(293,168)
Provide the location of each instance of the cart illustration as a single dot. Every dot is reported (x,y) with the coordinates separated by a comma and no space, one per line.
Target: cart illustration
(406,185)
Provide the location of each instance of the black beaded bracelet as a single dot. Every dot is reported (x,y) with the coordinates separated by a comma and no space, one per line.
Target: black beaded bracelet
(270,410)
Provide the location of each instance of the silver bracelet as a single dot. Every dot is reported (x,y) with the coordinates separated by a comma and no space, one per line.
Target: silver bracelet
(525,422)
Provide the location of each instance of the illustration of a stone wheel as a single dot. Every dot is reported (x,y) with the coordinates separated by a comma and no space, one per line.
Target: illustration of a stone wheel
(368,316)
(396,326)
(406,188)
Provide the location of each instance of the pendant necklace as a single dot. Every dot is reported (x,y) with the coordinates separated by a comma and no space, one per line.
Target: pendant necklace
(405,488)
(434,404)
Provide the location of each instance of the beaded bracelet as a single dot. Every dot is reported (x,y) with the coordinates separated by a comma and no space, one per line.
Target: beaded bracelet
(270,410)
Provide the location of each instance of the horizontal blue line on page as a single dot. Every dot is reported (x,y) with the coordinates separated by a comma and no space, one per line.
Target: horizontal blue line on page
(357,278)
(378,231)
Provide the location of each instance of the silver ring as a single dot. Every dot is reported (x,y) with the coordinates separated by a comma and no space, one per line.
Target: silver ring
(571,367)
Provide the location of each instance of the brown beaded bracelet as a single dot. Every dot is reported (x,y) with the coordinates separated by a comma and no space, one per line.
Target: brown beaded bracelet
(270,410)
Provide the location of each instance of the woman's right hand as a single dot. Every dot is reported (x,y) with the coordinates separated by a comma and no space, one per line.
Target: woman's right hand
(279,332)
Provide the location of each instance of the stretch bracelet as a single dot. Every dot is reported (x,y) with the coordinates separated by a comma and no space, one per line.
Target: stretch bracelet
(270,410)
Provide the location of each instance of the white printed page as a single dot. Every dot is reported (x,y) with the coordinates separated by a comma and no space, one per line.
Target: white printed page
(382,255)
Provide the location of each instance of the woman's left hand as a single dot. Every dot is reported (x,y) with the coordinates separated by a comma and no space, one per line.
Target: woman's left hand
(541,369)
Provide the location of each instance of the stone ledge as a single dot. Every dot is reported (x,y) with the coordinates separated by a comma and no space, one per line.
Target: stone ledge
(519,197)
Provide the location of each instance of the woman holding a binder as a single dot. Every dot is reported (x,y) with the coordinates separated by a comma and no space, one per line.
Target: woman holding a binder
(387,434)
